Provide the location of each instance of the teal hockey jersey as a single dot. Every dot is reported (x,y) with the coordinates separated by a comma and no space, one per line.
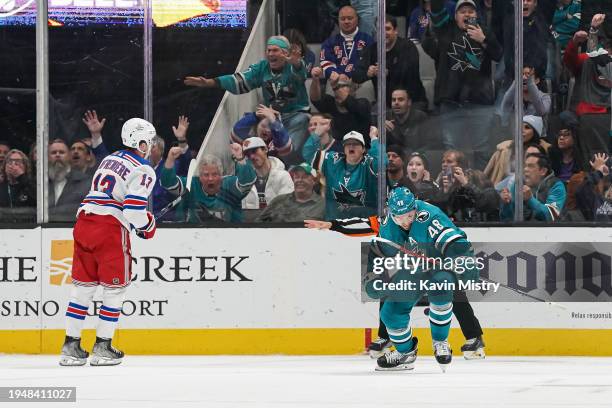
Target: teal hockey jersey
(431,235)
(284,91)
(198,206)
(351,190)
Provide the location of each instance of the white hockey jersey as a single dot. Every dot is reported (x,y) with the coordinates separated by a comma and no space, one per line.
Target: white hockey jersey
(120,188)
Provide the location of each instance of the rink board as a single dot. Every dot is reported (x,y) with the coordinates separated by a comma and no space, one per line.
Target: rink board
(264,291)
(501,342)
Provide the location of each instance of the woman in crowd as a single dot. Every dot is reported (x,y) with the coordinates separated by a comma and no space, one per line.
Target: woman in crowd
(501,164)
(466,194)
(417,172)
(17,191)
(564,154)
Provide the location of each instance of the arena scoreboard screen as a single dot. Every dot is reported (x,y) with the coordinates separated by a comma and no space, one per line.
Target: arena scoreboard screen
(165,13)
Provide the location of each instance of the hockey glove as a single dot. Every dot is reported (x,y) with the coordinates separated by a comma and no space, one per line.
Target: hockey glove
(466,269)
(466,266)
(148,231)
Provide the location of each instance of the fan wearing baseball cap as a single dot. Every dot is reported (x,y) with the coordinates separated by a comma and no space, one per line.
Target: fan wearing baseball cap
(272,178)
(304,203)
(351,188)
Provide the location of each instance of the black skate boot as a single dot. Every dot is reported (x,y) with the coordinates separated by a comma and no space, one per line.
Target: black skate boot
(473,349)
(103,354)
(379,347)
(443,353)
(72,353)
(396,361)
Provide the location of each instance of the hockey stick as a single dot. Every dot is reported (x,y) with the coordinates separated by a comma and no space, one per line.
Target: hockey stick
(520,292)
(190,173)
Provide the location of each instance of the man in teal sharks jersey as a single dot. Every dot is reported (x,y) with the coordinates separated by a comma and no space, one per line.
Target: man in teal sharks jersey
(351,178)
(212,196)
(281,77)
(423,230)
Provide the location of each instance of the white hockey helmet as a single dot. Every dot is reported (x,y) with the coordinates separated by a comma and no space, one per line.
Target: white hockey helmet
(138,130)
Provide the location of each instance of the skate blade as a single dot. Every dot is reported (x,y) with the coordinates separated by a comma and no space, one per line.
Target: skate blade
(70,361)
(104,361)
(401,367)
(474,355)
(444,367)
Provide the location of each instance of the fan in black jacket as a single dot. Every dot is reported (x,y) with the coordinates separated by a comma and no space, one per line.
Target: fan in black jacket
(536,36)
(464,88)
(594,196)
(402,63)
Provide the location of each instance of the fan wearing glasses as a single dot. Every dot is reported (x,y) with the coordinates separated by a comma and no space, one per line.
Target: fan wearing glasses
(18,188)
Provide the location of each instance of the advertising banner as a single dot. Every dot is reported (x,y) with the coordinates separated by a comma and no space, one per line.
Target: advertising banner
(225,278)
(251,278)
(21,301)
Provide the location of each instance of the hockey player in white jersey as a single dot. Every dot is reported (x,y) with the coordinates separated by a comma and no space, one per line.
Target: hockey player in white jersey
(115,205)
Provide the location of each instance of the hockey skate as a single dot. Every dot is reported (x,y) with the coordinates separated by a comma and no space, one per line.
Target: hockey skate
(473,349)
(396,361)
(72,353)
(379,347)
(443,354)
(103,354)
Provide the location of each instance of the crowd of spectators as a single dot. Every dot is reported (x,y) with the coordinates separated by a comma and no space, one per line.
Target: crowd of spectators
(312,150)
(70,169)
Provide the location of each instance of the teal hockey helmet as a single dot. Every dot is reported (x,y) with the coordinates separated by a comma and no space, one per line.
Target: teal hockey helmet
(401,201)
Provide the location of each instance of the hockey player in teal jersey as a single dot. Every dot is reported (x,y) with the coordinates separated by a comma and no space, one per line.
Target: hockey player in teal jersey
(423,229)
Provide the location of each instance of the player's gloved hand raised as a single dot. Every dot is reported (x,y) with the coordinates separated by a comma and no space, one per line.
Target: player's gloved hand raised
(148,231)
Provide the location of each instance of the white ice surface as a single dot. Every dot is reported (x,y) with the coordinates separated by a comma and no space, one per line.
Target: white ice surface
(314,381)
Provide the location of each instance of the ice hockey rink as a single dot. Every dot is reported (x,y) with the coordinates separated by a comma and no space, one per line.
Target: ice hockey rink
(315,381)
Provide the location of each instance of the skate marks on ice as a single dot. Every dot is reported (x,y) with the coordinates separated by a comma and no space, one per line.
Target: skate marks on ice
(320,381)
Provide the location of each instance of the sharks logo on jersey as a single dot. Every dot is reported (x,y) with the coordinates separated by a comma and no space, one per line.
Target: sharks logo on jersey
(422,216)
(279,95)
(465,56)
(347,198)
